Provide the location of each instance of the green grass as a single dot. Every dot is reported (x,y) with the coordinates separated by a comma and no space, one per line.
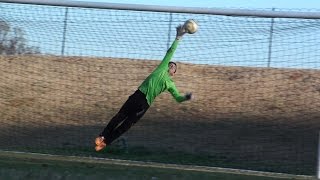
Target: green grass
(30,168)
(161,156)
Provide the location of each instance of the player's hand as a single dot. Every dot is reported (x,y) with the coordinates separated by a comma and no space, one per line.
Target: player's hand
(180,32)
(188,96)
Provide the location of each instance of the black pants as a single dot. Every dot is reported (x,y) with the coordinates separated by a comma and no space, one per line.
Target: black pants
(132,110)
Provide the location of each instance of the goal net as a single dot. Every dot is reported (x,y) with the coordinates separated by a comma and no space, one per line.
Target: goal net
(65,71)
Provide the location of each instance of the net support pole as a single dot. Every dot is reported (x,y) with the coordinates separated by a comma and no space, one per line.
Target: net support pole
(318,165)
(270,40)
(64,31)
(169,31)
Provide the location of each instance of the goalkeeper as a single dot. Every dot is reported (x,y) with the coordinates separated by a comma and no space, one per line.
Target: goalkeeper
(139,102)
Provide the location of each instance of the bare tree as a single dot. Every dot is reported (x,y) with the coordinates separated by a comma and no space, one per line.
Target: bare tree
(12,41)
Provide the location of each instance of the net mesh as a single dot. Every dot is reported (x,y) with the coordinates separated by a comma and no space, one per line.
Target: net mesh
(255,81)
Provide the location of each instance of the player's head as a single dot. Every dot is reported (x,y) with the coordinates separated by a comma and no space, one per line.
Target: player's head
(172,68)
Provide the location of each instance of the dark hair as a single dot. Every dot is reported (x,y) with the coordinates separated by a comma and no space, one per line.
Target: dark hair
(171,62)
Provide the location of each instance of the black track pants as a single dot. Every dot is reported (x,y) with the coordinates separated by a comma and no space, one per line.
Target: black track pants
(132,110)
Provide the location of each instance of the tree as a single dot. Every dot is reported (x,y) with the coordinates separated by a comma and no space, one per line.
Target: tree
(12,41)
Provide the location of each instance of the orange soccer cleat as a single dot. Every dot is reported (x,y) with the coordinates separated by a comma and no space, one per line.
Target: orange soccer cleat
(99,140)
(100,144)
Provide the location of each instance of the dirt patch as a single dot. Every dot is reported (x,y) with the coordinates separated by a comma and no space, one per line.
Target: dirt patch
(246,113)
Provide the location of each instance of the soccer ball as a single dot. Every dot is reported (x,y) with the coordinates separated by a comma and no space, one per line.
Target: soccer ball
(190,26)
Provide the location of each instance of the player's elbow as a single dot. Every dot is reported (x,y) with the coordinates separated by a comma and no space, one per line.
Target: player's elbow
(180,99)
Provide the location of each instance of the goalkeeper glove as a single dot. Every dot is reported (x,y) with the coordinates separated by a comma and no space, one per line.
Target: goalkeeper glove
(188,96)
(180,32)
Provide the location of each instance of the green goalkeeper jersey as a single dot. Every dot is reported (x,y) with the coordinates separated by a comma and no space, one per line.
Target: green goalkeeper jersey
(159,80)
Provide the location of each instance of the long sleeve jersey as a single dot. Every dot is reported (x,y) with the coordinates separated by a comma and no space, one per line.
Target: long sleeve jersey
(159,80)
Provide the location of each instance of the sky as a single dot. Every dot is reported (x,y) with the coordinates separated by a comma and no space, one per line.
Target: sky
(220,40)
(281,4)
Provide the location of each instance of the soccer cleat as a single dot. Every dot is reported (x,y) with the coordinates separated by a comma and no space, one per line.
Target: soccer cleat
(99,140)
(100,146)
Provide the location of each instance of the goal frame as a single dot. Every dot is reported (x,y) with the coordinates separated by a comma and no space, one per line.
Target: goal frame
(192,10)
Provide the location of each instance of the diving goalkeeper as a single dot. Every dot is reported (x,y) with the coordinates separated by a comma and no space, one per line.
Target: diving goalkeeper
(139,102)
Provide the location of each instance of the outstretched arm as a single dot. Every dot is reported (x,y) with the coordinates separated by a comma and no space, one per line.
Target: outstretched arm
(175,93)
(164,63)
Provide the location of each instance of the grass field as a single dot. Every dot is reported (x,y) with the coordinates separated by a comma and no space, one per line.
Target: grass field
(15,165)
(118,151)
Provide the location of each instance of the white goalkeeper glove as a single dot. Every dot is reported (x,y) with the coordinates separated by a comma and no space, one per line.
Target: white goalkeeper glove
(188,96)
(180,32)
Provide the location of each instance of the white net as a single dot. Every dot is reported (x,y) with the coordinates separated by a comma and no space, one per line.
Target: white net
(77,66)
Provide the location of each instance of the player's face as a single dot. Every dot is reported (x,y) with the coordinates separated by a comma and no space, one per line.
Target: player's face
(172,69)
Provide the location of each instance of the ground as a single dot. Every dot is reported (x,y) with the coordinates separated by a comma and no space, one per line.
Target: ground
(238,114)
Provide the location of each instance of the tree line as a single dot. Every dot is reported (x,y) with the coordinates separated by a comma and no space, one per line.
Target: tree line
(13,41)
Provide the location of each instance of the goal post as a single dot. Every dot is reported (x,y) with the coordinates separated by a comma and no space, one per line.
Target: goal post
(138,7)
(318,158)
